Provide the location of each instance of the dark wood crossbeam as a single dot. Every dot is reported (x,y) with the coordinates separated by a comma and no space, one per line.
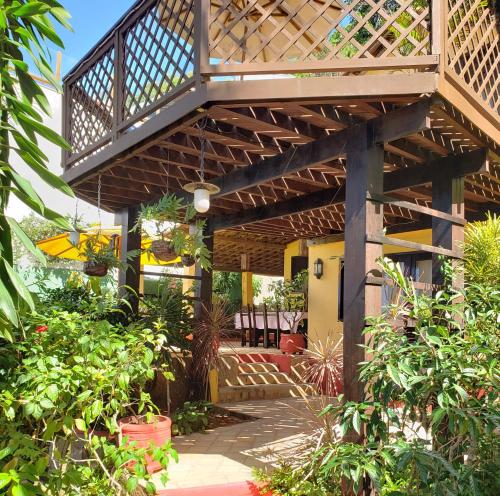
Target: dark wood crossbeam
(459,165)
(393,125)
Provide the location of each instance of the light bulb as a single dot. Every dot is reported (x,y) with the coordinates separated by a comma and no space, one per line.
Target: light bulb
(201,200)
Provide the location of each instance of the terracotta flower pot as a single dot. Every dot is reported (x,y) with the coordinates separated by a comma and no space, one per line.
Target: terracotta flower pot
(292,343)
(158,433)
(95,269)
(163,250)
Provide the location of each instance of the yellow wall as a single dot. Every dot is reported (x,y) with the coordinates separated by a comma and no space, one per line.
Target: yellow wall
(323,293)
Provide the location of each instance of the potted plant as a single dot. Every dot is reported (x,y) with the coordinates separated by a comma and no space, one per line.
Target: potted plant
(100,256)
(167,222)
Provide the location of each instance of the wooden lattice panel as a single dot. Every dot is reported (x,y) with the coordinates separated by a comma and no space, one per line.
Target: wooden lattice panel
(91,103)
(158,53)
(289,30)
(474,48)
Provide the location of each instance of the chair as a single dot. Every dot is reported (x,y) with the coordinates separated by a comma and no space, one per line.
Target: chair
(257,333)
(246,334)
(268,331)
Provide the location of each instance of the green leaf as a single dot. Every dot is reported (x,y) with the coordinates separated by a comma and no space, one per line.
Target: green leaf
(356,422)
(461,391)
(28,244)
(45,131)
(19,285)
(52,392)
(394,374)
(132,484)
(7,306)
(4,480)
(80,424)
(20,490)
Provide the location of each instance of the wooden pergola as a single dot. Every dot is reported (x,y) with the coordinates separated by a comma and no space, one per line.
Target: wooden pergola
(319,118)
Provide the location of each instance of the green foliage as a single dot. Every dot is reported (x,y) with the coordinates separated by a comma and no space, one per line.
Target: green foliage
(26,26)
(228,286)
(192,417)
(170,308)
(170,217)
(482,251)
(430,418)
(68,378)
(289,295)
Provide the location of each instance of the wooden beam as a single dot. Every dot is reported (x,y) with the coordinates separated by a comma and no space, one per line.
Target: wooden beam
(406,120)
(130,240)
(365,170)
(458,165)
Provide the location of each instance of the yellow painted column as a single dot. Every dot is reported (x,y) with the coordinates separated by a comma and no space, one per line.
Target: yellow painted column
(141,281)
(246,288)
(187,284)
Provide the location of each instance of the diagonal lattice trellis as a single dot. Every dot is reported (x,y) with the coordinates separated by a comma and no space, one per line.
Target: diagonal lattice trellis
(473,48)
(91,104)
(158,54)
(288,30)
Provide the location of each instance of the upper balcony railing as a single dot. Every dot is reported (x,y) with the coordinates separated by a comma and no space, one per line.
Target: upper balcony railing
(162,49)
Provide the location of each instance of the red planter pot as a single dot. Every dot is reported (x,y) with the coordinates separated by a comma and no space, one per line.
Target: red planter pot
(292,343)
(157,433)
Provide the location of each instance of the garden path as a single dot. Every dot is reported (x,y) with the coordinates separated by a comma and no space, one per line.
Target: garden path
(227,455)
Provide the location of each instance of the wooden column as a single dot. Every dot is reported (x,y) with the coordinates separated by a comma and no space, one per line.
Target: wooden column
(364,218)
(246,281)
(204,285)
(130,240)
(447,197)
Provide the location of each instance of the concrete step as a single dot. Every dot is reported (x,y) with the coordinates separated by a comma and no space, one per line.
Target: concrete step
(231,394)
(252,368)
(264,378)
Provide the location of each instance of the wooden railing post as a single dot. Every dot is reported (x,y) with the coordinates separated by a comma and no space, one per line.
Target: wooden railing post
(439,31)
(119,65)
(201,36)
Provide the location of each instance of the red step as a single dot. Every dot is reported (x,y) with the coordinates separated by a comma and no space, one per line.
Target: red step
(284,362)
(235,489)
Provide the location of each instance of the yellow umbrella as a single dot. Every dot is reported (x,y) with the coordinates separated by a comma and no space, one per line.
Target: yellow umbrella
(60,246)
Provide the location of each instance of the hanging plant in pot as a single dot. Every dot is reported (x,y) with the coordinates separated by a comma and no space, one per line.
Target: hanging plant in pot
(167,222)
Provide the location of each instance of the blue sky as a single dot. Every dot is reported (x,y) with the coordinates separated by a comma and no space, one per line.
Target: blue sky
(91,19)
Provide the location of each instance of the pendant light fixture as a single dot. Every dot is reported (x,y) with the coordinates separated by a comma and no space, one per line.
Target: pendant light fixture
(200,189)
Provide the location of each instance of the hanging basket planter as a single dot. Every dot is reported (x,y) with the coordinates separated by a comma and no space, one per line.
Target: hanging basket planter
(163,250)
(95,269)
(188,260)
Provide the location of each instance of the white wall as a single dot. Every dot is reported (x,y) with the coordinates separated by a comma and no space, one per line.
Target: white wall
(53,199)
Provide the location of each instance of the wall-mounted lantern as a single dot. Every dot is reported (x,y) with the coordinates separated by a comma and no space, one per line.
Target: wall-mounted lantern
(318,268)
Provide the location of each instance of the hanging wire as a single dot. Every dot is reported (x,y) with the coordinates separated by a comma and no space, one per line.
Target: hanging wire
(202,127)
(99,185)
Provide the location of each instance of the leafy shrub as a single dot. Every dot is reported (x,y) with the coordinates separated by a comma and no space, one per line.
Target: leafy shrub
(430,419)
(65,380)
(192,417)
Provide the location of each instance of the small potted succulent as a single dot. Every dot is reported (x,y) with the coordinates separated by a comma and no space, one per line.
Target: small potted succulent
(167,222)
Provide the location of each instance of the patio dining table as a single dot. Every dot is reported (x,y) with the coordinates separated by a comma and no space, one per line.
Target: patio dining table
(288,322)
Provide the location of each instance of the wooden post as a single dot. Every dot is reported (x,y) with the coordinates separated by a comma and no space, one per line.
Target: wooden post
(130,240)
(246,281)
(204,286)
(364,218)
(447,197)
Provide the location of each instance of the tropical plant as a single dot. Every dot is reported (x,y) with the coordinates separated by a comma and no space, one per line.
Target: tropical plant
(26,27)
(207,336)
(64,386)
(430,418)
(169,218)
(482,251)
(192,417)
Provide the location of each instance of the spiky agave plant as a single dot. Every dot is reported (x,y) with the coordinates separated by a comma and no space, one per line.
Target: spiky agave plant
(324,366)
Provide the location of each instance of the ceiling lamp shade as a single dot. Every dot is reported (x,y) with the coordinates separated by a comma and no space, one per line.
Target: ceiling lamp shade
(202,192)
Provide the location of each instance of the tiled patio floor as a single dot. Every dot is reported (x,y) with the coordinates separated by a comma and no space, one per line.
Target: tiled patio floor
(228,454)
